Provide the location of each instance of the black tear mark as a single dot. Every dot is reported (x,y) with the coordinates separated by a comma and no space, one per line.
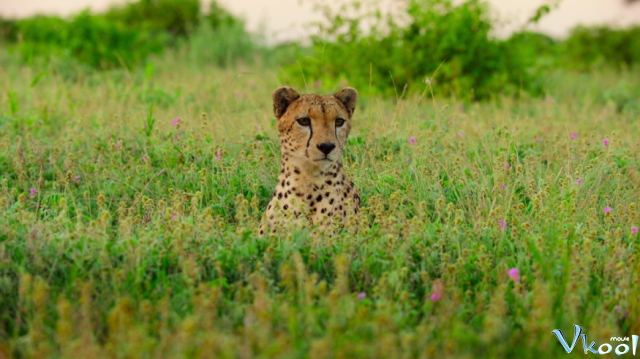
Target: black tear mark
(306,151)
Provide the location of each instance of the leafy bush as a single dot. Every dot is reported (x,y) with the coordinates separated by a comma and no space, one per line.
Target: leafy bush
(588,47)
(91,40)
(173,16)
(441,38)
(222,46)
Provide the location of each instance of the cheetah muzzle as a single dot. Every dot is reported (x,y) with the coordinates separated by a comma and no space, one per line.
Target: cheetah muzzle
(312,183)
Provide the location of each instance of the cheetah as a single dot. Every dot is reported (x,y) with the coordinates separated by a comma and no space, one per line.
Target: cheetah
(313,132)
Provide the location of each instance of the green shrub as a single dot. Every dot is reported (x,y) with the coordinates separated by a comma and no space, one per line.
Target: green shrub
(588,47)
(173,16)
(91,40)
(222,46)
(447,41)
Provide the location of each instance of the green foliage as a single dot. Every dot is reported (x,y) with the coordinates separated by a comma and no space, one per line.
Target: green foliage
(88,39)
(589,47)
(223,45)
(443,43)
(173,16)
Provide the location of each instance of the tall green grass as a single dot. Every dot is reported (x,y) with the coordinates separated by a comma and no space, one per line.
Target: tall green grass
(122,235)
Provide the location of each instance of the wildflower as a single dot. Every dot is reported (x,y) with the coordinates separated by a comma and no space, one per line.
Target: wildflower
(175,121)
(118,143)
(144,158)
(76,178)
(607,209)
(258,128)
(436,295)
(503,225)
(361,296)
(32,192)
(406,160)
(218,154)
(506,165)
(318,84)
(412,140)
(634,230)
(173,218)
(579,180)
(239,94)
(605,142)
(574,135)
(503,186)
(538,139)
(461,134)
(514,273)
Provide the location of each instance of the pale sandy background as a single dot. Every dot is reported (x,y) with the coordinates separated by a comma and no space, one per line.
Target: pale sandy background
(286,19)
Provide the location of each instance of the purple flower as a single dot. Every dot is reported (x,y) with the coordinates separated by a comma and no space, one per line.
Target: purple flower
(461,134)
(173,218)
(503,225)
(76,178)
(144,158)
(412,140)
(503,186)
(574,135)
(406,160)
(118,143)
(634,230)
(607,209)
(436,295)
(175,121)
(514,273)
(579,180)
(218,154)
(506,165)
(361,296)
(605,142)
(32,192)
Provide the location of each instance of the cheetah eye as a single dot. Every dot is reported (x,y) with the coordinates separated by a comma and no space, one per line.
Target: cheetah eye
(339,122)
(306,121)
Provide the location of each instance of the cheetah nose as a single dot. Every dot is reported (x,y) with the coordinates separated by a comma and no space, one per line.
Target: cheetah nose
(326,148)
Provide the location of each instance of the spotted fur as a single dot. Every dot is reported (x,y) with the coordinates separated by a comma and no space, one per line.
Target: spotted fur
(313,132)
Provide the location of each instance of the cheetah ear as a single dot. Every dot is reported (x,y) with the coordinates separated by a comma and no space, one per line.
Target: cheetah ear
(348,96)
(282,98)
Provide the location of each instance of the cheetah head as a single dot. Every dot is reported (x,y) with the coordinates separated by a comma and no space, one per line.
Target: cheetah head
(314,129)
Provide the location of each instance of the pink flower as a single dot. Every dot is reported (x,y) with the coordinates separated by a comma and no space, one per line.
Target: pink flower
(574,135)
(406,160)
(506,165)
(538,139)
(607,209)
(605,142)
(144,158)
(118,143)
(257,127)
(239,94)
(634,230)
(361,296)
(461,134)
(436,295)
(503,186)
(173,218)
(412,140)
(32,192)
(76,178)
(175,121)
(503,225)
(514,273)
(318,84)
(579,180)
(219,153)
